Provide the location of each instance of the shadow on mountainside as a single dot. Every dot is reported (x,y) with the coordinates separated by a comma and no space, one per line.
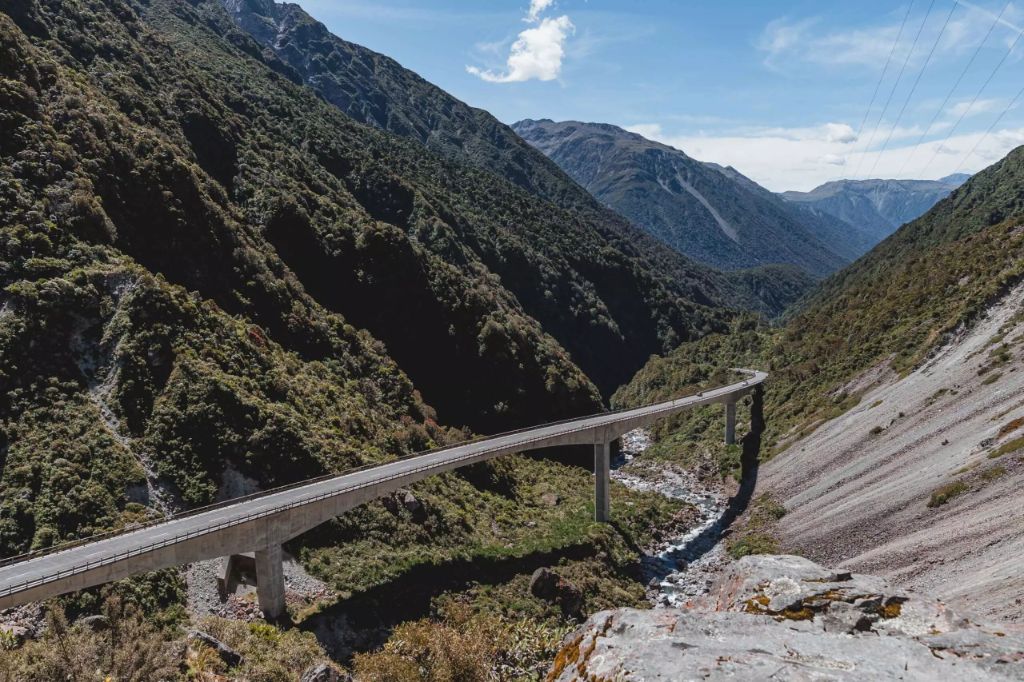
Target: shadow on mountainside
(662,566)
(364,621)
(749,461)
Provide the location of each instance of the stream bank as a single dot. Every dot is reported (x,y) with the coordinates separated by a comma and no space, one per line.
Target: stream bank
(683,567)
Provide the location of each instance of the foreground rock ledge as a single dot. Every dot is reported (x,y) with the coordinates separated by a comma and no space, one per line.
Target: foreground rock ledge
(786,618)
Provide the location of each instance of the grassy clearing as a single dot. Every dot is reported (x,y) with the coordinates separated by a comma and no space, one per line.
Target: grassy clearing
(758,534)
(992,474)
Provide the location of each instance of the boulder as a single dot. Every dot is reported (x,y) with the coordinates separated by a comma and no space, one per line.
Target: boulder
(783,617)
(230,657)
(547,585)
(17,632)
(409,501)
(324,672)
(95,623)
(405,499)
(550,499)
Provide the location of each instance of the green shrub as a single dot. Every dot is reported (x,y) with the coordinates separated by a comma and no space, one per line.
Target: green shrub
(992,474)
(944,494)
(1009,447)
(753,543)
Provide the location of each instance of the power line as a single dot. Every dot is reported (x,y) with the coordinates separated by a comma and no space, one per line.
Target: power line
(884,71)
(949,96)
(917,81)
(899,76)
(976,96)
(990,129)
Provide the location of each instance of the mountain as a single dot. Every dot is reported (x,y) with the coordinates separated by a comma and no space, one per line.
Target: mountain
(701,210)
(893,417)
(877,207)
(213,281)
(376,90)
(845,239)
(955,179)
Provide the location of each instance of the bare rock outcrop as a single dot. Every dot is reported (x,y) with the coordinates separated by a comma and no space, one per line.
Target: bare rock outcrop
(787,618)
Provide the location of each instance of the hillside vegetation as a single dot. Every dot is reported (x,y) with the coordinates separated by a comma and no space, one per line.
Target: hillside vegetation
(888,310)
(204,266)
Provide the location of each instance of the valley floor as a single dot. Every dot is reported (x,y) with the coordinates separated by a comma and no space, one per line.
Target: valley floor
(923,481)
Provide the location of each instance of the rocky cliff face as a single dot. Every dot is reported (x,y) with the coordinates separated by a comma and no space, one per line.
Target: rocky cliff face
(708,213)
(876,207)
(785,617)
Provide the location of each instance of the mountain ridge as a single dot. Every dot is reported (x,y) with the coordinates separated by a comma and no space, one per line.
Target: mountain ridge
(699,209)
(876,206)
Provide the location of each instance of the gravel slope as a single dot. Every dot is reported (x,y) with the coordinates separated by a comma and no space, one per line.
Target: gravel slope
(857,489)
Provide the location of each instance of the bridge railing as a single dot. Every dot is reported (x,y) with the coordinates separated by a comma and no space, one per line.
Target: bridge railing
(159,544)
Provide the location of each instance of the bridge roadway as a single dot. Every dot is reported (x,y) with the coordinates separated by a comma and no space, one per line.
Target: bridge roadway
(264,521)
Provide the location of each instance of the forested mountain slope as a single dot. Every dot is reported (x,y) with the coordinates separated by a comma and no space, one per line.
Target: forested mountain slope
(700,210)
(190,242)
(377,90)
(246,188)
(206,269)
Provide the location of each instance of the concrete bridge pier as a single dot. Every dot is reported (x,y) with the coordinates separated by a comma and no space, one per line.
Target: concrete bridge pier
(730,423)
(602,481)
(270,581)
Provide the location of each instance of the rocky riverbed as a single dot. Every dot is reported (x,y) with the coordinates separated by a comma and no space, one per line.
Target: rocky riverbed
(684,567)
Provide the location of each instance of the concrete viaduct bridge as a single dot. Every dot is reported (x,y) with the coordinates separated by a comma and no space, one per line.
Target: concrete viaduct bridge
(263,522)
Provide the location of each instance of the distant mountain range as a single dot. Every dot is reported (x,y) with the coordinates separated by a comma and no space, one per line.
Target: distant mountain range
(712,214)
(877,207)
(720,217)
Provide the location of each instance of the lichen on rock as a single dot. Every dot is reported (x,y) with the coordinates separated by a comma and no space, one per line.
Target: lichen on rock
(786,617)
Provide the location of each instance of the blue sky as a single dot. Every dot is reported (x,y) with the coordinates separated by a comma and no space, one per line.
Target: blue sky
(779,90)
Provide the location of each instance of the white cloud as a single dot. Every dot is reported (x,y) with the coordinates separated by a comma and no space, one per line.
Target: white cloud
(782,35)
(536,54)
(840,132)
(803,158)
(537,7)
(980,107)
(652,131)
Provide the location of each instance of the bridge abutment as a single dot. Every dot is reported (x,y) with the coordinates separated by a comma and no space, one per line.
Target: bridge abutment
(602,481)
(270,581)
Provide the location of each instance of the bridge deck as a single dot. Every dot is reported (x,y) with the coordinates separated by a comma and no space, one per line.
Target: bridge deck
(110,558)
